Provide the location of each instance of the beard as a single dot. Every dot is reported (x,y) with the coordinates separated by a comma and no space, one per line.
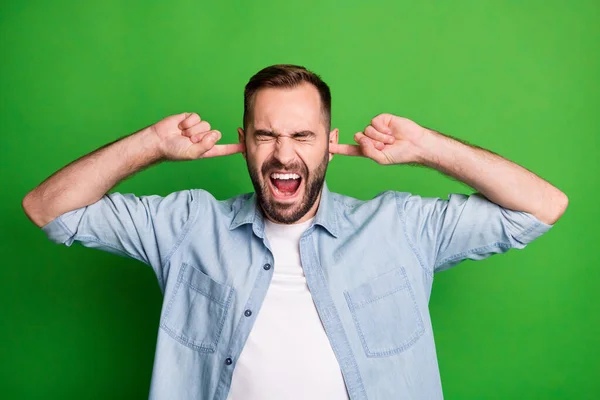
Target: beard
(287,213)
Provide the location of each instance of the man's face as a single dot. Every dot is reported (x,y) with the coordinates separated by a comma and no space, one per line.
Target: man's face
(287,151)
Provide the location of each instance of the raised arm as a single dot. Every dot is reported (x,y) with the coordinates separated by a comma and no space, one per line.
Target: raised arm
(395,140)
(513,206)
(498,179)
(86,180)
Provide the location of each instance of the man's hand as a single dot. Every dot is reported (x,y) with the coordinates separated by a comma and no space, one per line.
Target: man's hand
(395,140)
(86,180)
(387,140)
(187,137)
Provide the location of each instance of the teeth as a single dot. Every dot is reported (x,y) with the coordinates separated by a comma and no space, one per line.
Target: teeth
(285,176)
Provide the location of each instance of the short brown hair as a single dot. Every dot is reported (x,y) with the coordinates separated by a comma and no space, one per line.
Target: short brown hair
(285,76)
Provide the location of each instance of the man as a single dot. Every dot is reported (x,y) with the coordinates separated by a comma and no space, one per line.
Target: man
(295,292)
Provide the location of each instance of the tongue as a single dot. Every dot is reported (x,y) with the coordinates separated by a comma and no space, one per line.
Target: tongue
(287,185)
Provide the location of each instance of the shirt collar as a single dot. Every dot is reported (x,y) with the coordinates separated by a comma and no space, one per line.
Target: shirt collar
(250,213)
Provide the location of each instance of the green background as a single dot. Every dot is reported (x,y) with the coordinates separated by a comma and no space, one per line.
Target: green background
(518,78)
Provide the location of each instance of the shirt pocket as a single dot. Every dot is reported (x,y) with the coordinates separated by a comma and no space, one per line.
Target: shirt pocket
(386,314)
(197,310)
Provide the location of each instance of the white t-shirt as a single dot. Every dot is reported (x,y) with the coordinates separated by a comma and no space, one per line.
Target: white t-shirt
(287,354)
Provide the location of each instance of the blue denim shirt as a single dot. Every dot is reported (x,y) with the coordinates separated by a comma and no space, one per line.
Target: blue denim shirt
(368,264)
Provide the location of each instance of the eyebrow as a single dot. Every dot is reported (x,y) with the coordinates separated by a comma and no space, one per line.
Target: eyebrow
(263,132)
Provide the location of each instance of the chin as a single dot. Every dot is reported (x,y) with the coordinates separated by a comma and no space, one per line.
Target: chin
(286,211)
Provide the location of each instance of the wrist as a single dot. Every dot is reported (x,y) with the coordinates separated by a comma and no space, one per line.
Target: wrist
(425,147)
(149,143)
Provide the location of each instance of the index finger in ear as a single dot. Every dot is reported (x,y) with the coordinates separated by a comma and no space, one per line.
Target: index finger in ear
(224,150)
(190,120)
(345,149)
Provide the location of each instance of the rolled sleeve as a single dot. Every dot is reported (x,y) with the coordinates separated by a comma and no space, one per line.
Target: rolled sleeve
(524,227)
(146,228)
(466,227)
(58,231)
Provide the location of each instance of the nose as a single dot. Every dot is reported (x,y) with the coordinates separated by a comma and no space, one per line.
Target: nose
(284,150)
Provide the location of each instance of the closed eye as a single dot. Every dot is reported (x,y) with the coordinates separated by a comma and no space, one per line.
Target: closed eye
(302,136)
(262,135)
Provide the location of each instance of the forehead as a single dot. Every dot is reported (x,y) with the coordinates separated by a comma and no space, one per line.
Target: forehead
(286,110)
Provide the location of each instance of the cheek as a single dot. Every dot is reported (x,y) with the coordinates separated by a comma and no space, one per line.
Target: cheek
(262,150)
(312,156)
(255,159)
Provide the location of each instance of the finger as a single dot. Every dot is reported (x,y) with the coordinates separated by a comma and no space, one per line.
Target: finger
(190,120)
(197,138)
(375,134)
(345,149)
(224,150)
(359,136)
(368,149)
(201,127)
(382,123)
(379,146)
(205,141)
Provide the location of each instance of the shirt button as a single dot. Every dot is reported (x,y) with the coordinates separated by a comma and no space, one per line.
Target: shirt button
(267,267)
(228,361)
(247,313)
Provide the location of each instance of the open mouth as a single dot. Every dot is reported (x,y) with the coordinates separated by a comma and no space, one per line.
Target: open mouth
(285,186)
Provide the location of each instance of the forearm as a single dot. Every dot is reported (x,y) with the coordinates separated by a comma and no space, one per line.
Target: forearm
(87,179)
(498,179)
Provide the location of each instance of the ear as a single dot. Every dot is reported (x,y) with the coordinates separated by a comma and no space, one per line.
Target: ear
(242,139)
(333,138)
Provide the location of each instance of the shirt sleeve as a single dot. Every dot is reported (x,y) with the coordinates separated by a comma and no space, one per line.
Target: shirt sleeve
(146,228)
(446,232)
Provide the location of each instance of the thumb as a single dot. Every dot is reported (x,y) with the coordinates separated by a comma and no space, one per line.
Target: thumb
(205,143)
(368,149)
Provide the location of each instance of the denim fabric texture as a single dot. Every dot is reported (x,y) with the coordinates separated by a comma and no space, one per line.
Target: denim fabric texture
(369,266)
